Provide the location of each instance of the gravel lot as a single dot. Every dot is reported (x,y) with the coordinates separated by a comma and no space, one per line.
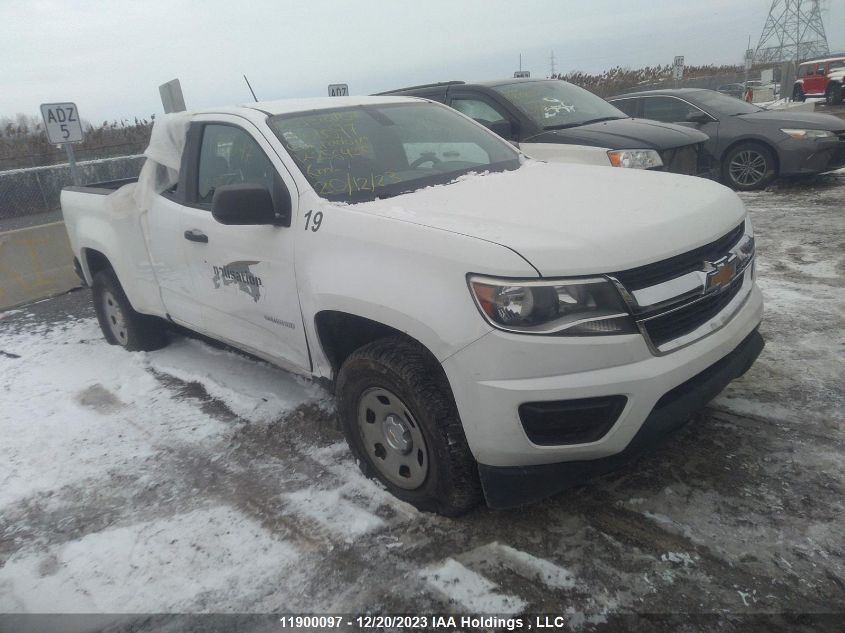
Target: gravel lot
(195,479)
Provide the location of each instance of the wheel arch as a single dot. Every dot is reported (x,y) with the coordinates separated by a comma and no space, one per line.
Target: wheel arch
(94,261)
(341,333)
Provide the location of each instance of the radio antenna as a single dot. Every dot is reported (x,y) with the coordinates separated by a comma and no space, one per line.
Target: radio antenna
(250,89)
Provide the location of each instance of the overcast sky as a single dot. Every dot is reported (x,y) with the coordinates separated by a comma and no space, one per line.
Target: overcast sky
(110,57)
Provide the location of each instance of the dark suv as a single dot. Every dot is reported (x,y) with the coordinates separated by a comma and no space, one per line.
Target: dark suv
(554,120)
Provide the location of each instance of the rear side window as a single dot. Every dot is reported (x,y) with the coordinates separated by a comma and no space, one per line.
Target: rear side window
(230,156)
(628,106)
(666,109)
(477,109)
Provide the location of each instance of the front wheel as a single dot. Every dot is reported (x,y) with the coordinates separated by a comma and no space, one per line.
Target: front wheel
(402,425)
(748,166)
(833,94)
(120,323)
(798,93)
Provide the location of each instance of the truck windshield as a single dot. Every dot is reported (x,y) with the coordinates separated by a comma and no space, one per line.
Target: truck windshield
(360,153)
(556,104)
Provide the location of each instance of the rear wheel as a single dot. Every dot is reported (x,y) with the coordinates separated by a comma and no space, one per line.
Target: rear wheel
(749,166)
(833,94)
(120,323)
(402,425)
(798,93)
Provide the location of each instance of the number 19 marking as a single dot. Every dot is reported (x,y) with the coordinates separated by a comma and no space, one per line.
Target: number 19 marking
(317,221)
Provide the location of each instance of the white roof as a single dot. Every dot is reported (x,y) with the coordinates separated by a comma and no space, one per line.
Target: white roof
(285,106)
(822,61)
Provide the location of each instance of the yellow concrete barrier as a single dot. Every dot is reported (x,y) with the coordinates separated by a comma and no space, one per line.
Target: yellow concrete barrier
(35,263)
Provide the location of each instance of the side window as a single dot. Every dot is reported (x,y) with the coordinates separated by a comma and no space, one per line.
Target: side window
(820,69)
(230,156)
(628,106)
(666,109)
(802,71)
(478,110)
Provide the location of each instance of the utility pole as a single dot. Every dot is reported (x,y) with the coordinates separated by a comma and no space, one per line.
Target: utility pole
(747,66)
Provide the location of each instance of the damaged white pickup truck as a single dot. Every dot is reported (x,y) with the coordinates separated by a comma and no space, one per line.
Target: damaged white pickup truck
(494,327)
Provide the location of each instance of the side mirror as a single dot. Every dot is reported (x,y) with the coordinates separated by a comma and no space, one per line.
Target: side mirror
(698,117)
(247,204)
(503,128)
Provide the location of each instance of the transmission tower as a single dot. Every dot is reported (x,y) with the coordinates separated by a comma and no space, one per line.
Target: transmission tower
(793,32)
(552,63)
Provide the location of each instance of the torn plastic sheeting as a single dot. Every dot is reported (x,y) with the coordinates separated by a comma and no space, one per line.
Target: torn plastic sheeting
(160,170)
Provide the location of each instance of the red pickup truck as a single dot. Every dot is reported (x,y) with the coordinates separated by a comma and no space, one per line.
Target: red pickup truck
(820,78)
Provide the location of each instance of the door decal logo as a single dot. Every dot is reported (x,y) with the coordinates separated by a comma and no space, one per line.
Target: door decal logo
(240,274)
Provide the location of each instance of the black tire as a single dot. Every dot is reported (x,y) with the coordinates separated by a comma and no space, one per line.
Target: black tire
(406,371)
(798,93)
(120,323)
(833,94)
(748,166)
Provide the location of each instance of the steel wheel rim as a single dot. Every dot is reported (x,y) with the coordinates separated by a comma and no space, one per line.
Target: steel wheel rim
(748,167)
(114,318)
(392,438)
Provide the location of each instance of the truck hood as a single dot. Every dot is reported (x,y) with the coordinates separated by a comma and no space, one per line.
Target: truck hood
(813,120)
(575,219)
(624,134)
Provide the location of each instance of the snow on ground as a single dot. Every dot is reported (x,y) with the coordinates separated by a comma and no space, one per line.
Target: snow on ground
(91,404)
(470,591)
(196,479)
(119,570)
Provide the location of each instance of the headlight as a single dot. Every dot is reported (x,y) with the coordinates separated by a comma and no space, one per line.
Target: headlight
(808,135)
(635,158)
(563,307)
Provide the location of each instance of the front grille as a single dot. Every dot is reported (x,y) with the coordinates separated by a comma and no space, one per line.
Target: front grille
(669,326)
(658,272)
(681,160)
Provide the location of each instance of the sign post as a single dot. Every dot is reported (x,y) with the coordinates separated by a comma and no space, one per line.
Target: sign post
(678,69)
(338,90)
(63,127)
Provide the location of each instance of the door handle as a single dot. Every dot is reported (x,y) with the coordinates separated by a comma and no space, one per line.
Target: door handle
(194,235)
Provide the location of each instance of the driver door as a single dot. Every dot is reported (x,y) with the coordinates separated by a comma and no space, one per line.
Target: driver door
(243,275)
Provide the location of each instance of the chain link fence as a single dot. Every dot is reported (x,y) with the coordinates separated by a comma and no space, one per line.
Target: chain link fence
(33,190)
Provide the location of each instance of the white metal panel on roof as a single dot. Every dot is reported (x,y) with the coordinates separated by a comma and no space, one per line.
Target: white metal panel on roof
(286,106)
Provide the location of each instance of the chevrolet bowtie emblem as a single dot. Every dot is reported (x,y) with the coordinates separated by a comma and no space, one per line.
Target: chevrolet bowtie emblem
(719,274)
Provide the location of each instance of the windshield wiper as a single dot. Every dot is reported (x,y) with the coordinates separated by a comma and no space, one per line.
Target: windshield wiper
(587,122)
(604,118)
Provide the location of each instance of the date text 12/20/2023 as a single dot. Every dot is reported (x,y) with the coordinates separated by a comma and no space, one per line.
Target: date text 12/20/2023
(423,622)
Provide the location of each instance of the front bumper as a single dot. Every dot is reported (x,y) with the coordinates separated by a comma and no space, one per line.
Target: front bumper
(798,158)
(507,487)
(495,375)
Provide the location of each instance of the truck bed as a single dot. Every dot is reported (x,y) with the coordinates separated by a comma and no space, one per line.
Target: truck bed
(102,188)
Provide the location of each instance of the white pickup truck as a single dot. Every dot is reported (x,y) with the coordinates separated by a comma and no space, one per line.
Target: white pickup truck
(493,326)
